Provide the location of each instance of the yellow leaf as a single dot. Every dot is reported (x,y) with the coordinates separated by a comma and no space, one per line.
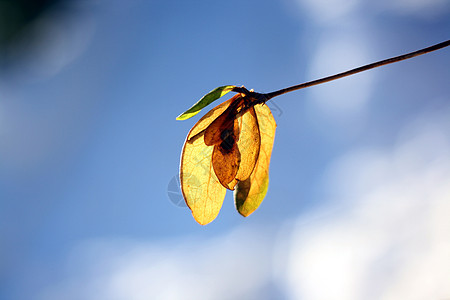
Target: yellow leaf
(236,140)
(250,192)
(249,144)
(201,189)
(230,146)
(207,119)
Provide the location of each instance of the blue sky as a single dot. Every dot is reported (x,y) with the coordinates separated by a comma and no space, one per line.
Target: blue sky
(358,201)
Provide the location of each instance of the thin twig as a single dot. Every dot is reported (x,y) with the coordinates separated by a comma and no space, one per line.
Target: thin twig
(357,70)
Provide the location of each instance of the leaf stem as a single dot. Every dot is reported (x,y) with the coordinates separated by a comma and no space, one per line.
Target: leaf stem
(357,70)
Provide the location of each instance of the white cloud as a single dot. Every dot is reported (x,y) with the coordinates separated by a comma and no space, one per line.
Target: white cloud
(329,11)
(419,8)
(387,235)
(382,234)
(338,52)
(230,267)
(335,12)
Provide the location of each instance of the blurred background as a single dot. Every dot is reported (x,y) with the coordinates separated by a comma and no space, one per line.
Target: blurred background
(359,199)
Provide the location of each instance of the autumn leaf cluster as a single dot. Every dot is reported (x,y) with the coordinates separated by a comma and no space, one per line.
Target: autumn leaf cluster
(228,148)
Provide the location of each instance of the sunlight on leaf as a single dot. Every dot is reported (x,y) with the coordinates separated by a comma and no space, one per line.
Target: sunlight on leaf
(230,146)
(250,193)
(200,187)
(205,100)
(250,142)
(226,121)
(223,134)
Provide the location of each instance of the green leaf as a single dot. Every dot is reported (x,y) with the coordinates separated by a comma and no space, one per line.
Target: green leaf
(206,100)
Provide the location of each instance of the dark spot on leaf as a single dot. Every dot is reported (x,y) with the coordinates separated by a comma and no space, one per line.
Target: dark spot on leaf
(228,140)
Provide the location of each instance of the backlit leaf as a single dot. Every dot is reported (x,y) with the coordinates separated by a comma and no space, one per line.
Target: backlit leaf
(205,100)
(201,189)
(236,141)
(249,143)
(229,147)
(226,121)
(223,134)
(226,164)
(250,193)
